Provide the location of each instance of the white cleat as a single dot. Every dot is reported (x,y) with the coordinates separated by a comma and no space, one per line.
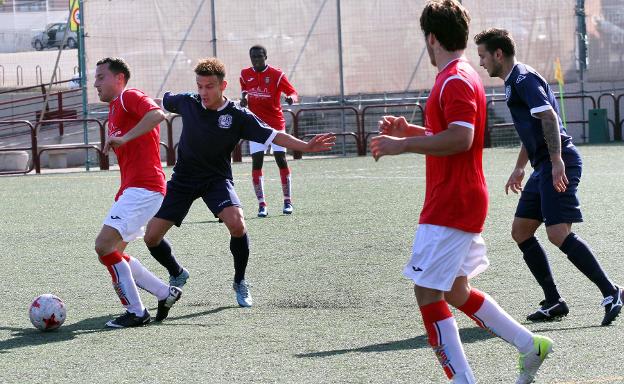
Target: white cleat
(530,362)
(243,297)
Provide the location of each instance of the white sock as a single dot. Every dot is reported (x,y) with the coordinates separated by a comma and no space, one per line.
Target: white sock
(126,288)
(146,280)
(451,351)
(494,318)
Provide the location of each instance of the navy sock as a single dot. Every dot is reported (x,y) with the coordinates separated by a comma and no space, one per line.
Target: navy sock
(164,255)
(535,258)
(239,246)
(581,256)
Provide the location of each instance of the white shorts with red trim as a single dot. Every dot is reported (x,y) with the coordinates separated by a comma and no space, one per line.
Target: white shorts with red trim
(441,254)
(257,147)
(131,212)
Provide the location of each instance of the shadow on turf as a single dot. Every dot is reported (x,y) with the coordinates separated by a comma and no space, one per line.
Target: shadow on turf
(196,314)
(27,337)
(246,218)
(468,335)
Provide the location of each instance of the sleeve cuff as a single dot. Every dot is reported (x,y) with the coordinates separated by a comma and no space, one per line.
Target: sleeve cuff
(463,124)
(540,109)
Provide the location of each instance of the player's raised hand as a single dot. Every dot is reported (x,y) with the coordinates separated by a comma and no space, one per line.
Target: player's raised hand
(515,181)
(386,145)
(113,142)
(321,142)
(560,180)
(393,126)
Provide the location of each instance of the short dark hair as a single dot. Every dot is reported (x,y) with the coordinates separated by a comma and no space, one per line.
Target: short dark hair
(116,65)
(448,20)
(210,66)
(495,38)
(260,47)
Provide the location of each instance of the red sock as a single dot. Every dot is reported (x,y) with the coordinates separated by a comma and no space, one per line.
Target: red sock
(444,339)
(472,305)
(258,183)
(285,176)
(109,260)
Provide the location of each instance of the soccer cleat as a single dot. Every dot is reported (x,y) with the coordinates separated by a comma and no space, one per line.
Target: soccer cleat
(288,208)
(262,211)
(180,280)
(129,319)
(550,311)
(530,362)
(612,305)
(165,304)
(242,294)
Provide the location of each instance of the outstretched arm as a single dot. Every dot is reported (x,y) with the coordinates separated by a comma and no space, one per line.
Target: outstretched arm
(321,142)
(147,123)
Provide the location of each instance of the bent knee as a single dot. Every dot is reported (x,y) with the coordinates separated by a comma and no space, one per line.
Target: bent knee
(556,238)
(152,240)
(238,229)
(520,235)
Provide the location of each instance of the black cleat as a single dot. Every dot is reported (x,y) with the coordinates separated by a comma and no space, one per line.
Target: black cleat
(165,305)
(129,319)
(550,311)
(612,305)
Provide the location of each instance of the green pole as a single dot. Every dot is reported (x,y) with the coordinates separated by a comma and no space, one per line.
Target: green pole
(563,113)
(83,77)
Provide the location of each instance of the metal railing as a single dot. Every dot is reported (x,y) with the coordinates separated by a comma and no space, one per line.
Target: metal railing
(32,148)
(305,123)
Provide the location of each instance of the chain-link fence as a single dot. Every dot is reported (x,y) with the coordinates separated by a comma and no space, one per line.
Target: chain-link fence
(348,53)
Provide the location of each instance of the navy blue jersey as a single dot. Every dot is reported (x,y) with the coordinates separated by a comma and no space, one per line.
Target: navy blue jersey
(209,137)
(527,93)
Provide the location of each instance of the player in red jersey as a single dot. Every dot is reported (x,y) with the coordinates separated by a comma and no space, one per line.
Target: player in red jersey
(133,134)
(448,248)
(262,87)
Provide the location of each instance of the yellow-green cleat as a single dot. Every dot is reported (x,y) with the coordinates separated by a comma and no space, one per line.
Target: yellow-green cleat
(530,362)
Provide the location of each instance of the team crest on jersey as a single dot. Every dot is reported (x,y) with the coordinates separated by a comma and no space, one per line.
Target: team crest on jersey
(225,121)
(520,78)
(267,80)
(507,92)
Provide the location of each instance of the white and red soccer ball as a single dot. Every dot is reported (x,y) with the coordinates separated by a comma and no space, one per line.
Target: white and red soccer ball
(47,312)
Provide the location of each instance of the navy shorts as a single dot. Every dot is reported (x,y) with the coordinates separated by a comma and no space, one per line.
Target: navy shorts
(539,200)
(180,196)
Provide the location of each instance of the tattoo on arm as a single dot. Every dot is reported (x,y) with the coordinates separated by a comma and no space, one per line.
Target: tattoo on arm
(552,136)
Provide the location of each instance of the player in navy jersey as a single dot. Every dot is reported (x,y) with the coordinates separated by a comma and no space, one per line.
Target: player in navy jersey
(212,126)
(550,194)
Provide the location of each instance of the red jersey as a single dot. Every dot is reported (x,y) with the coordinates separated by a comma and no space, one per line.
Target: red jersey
(456,194)
(139,159)
(263,94)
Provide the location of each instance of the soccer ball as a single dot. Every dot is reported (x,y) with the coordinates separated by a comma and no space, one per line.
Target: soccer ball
(47,312)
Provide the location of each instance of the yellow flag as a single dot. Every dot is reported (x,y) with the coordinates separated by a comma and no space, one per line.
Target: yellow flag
(74,21)
(558,73)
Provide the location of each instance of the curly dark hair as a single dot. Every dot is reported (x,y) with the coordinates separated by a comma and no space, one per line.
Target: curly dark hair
(448,20)
(495,38)
(116,65)
(209,67)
